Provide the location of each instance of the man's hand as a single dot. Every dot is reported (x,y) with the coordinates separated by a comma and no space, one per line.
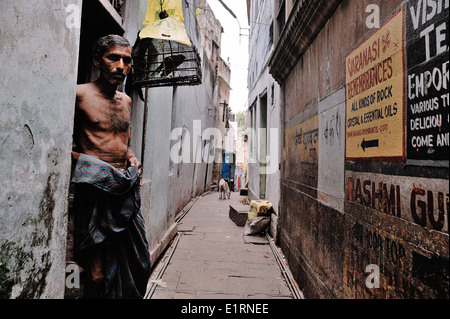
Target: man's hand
(75,155)
(133,161)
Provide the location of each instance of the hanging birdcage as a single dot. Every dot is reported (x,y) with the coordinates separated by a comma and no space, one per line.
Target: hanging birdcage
(159,63)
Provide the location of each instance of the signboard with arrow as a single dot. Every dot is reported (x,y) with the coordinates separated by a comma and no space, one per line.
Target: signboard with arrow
(368,144)
(375,116)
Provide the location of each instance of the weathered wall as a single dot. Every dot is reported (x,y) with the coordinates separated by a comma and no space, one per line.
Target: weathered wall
(36,114)
(156,166)
(168,187)
(193,109)
(192,103)
(134,14)
(363,192)
(264,92)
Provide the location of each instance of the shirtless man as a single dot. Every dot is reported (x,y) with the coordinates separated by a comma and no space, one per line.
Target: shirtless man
(102,130)
(102,117)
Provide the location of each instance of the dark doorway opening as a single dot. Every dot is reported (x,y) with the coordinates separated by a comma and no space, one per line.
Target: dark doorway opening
(98,18)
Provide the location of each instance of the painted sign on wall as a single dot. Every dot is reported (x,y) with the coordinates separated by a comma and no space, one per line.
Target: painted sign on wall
(422,201)
(332,146)
(427,80)
(305,139)
(375,95)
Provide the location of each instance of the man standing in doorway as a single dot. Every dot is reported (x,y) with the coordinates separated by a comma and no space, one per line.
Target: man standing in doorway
(109,234)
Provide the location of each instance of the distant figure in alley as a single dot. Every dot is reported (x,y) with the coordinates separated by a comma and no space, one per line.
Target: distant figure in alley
(109,234)
(224,189)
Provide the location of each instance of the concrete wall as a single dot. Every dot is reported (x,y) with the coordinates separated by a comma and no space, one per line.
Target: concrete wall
(36,114)
(194,109)
(263,92)
(167,186)
(346,207)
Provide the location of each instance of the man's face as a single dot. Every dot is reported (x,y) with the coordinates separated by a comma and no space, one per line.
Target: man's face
(115,64)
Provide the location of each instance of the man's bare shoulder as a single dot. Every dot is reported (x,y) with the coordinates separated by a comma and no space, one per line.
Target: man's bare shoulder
(125,98)
(83,89)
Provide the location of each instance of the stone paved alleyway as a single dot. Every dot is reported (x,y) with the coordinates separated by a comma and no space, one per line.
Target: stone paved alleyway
(210,259)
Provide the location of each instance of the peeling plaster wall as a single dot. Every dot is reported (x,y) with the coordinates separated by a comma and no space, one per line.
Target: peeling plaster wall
(36,119)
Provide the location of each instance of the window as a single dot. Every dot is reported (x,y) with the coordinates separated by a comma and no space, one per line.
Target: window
(252,132)
(272,94)
(215,52)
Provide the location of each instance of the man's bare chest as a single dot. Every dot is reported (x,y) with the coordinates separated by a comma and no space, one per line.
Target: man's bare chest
(108,116)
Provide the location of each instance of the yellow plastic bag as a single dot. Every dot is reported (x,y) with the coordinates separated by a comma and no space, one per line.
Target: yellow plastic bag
(170,28)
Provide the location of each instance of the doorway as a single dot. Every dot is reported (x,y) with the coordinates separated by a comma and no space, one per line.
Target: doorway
(262,145)
(97,20)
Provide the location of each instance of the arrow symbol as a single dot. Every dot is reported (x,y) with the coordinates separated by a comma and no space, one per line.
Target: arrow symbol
(366,144)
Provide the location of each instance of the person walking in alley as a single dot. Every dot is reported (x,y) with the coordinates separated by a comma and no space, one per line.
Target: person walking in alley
(109,235)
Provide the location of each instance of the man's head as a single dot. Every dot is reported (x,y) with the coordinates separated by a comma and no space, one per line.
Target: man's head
(112,56)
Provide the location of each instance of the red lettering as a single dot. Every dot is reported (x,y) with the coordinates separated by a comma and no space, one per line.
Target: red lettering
(350,188)
(358,194)
(436,224)
(377,194)
(389,200)
(389,64)
(379,73)
(422,218)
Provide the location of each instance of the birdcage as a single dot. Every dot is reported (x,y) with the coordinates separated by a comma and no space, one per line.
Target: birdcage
(165,63)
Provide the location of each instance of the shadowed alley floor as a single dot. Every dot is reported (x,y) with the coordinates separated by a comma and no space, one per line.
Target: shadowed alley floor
(210,259)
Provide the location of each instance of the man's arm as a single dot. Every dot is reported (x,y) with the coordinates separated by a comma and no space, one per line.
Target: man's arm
(132,159)
(79,94)
(131,156)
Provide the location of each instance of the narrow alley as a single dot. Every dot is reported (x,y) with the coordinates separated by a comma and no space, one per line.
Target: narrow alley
(120,120)
(210,258)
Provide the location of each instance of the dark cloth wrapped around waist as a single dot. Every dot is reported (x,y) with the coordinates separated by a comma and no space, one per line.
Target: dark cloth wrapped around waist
(107,215)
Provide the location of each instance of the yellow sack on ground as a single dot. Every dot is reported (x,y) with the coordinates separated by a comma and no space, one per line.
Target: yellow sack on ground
(170,28)
(259,208)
